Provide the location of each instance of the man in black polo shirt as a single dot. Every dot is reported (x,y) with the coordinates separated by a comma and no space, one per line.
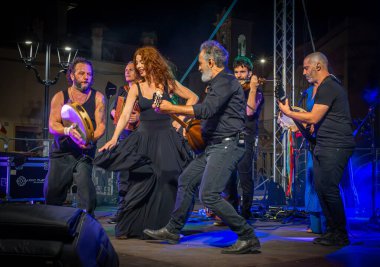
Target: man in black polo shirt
(222,112)
(334,143)
(243,71)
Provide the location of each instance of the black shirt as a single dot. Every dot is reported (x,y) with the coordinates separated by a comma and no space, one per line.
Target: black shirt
(64,144)
(335,128)
(252,122)
(223,109)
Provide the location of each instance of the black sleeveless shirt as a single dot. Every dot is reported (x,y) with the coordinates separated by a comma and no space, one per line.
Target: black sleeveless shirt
(64,144)
(147,112)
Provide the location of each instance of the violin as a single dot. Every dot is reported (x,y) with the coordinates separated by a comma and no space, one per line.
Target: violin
(246,83)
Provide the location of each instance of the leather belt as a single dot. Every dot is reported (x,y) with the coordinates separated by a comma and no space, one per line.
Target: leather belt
(221,140)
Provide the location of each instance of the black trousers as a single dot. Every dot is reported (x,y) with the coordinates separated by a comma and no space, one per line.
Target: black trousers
(210,171)
(244,173)
(64,170)
(329,165)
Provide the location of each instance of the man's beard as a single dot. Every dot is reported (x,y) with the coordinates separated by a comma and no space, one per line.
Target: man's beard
(80,87)
(207,75)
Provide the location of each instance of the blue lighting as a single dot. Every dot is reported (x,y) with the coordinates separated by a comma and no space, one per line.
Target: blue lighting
(358,198)
(371,95)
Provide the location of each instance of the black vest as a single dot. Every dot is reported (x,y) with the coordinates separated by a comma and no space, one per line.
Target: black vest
(64,144)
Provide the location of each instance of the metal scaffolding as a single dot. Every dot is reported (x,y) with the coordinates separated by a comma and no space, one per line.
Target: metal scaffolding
(283,69)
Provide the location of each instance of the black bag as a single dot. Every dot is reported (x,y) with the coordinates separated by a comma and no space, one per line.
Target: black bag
(45,235)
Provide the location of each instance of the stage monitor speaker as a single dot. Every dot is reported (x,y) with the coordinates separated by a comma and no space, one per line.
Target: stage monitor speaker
(276,194)
(45,235)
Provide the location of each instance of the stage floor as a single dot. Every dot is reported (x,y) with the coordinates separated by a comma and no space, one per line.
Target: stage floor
(283,244)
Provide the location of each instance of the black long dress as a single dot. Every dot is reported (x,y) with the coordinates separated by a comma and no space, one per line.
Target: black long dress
(155,154)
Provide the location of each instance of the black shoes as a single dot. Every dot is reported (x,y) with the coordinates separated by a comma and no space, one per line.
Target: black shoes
(243,247)
(240,247)
(332,239)
(112,220)
(162,234)
(322,237)
(339,240)
(219,223)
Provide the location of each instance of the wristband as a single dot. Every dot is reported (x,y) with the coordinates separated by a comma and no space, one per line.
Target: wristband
(66,130)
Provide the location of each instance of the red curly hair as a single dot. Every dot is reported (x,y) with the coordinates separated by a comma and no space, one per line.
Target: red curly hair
(156,67)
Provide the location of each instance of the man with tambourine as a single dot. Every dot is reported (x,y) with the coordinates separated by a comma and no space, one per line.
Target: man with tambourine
(73,114)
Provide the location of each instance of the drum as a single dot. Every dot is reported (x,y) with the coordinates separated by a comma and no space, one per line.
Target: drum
(73,113)
(287,123)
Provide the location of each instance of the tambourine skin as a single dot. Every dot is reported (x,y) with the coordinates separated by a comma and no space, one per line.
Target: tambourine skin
(74,113)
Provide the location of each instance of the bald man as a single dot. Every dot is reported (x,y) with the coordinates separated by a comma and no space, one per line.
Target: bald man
(335,143)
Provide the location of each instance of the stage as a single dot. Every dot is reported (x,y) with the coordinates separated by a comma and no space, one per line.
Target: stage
(283,244)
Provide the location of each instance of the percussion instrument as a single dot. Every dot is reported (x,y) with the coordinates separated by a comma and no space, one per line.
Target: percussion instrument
(119,109)
(74,115)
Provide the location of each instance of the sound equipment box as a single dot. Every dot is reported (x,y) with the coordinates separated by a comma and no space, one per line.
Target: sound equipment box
(22,178)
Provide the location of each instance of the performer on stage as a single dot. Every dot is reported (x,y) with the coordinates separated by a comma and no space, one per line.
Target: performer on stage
(222,112)
(155,154)
(334,143)
(243,68)
(70,160)
(122,176)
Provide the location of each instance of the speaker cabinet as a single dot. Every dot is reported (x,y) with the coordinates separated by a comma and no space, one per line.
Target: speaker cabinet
(45,235)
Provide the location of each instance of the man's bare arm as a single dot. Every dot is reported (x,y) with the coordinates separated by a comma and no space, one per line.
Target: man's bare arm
(55,120)
(100,116)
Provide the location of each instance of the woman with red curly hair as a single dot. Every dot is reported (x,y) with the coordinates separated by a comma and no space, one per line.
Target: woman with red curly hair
(155,154)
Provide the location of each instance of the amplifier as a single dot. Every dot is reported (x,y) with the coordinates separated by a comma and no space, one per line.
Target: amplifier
(22,180)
